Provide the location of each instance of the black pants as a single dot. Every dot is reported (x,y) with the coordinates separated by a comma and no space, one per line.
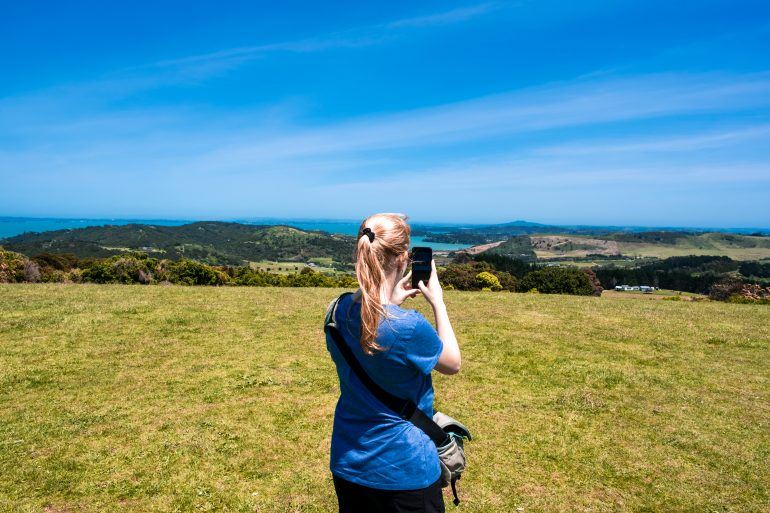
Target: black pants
(354,498)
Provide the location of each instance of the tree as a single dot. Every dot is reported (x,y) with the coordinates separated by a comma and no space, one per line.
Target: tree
(723,290)
(594,281)
(514,266)
(463,276)
(558,280)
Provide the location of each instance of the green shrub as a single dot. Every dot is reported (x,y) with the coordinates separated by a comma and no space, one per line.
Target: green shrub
(514,266)
(726,288)
(558,280)
(74,275)
(508,281)
(307,277)
(464,276)
(137,267)
(12,267)
(128,268)
(62,262)
(347,281)
(56,276)
(253,277)
(190,272)
(488,281)
(738,298)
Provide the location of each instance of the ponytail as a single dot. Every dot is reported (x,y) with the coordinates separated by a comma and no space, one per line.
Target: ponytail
(382,238)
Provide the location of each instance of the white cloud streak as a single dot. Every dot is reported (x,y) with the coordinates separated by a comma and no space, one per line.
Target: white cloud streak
(678,143)
(558,106)
(200,67)
(215,62)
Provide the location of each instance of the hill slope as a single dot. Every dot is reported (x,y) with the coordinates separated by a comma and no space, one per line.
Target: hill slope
(643,244)
(210,242)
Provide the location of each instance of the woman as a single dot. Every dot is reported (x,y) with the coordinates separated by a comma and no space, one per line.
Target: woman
(379,462)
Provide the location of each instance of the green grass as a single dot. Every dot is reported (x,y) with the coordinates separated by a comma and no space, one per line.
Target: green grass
(737,247)
(136,399)
(611,293)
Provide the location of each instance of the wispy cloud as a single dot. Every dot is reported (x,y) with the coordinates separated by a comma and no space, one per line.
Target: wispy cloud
(447,17)
(174,139)
(221,60)
(557,106)
(199,67)
(665,144)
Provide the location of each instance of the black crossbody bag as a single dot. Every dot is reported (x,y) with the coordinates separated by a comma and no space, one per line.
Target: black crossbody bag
(447,433)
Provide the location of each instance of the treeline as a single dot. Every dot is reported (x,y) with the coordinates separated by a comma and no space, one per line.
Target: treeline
(686,273)
(755,269)
(718,276)
(495,272)
(139,268)
(486,272)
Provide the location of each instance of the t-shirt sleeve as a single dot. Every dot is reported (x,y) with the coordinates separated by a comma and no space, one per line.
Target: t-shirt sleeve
(423,347)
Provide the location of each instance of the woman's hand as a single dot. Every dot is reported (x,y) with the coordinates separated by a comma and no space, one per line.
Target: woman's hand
(433,291)
(403,290)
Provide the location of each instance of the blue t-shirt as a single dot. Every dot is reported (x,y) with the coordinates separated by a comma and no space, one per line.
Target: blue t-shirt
(371,445)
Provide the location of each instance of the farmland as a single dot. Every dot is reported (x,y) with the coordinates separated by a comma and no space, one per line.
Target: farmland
(737,247)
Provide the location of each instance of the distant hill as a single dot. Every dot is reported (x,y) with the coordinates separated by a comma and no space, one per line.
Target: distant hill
(491,233)
(231,243)
(519,247)
(210,242)
(656,244)
(484,234)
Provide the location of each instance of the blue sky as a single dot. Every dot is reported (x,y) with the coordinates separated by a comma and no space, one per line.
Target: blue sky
(613,112)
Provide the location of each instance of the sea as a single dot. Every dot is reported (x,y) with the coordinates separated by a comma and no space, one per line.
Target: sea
(10,226)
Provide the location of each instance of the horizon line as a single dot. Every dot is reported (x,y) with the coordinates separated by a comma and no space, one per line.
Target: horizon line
(241,219)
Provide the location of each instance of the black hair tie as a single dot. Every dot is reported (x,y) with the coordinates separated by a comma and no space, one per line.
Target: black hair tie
(369,233)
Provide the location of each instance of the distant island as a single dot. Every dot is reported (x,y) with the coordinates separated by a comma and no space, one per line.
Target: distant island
(213,242)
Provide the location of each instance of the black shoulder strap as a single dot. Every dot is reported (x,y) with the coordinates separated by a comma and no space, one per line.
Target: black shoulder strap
(404,408)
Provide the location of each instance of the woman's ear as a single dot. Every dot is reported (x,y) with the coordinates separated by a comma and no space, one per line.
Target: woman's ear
(404,262)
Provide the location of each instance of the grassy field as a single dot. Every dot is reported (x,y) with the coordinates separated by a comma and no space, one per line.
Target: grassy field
(737,247)
(657,294)
(137,399)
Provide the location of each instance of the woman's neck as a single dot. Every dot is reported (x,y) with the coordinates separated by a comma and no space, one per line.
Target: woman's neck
(387,288)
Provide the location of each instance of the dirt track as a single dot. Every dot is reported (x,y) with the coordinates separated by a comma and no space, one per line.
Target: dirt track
(475,250)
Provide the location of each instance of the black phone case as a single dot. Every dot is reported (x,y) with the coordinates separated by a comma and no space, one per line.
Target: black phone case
(421,268)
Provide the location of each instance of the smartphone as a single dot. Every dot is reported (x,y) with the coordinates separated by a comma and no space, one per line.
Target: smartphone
(421,265)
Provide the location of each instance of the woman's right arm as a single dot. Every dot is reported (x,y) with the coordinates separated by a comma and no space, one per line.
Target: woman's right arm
(449,361)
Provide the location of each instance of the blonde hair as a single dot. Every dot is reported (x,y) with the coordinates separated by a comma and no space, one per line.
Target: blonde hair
(382,239)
